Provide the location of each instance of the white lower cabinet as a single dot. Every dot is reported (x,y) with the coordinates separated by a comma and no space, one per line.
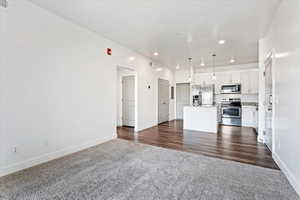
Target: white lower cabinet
(250,116)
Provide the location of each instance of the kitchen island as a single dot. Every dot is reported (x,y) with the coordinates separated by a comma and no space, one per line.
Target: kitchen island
(200,118)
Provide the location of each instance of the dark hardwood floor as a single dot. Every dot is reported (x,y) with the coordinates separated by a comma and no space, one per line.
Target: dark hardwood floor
(231,143)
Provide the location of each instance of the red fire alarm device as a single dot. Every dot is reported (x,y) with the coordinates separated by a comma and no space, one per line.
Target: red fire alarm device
(109,51)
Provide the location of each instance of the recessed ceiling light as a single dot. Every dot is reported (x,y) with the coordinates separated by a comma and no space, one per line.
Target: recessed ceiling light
(131,58)
(177,67)
(202,64)
(155,53)
(222,41)
(232,60)
(159,69)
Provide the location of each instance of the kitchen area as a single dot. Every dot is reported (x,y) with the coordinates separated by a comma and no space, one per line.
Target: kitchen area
(225,97)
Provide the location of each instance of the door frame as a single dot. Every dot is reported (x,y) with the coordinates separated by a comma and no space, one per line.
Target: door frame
(271,56)
(131,77)
(157,105)
(119,100)
(175,95)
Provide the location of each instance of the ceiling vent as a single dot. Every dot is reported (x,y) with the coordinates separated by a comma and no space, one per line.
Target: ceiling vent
(3,3)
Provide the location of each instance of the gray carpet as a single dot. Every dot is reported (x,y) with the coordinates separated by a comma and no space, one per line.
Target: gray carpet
(124,170)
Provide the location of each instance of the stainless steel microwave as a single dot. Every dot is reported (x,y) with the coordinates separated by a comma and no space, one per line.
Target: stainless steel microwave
(231,89)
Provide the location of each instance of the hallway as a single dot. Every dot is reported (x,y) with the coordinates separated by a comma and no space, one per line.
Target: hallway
(231,143)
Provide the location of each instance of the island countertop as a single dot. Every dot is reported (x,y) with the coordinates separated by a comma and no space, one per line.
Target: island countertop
(200,118)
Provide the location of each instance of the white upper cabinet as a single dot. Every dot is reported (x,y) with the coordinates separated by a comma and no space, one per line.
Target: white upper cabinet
(208,79)
(203,79)
(245,82)
(248,80)
(235,78)
(226,78)
(221,79)
(253,82)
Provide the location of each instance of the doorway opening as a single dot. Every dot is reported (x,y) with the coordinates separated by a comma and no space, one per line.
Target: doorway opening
(126,98)
(268,74)
(182,98)
(163,100)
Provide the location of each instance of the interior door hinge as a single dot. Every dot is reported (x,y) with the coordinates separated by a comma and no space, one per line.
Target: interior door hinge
(264,73)
(4,3)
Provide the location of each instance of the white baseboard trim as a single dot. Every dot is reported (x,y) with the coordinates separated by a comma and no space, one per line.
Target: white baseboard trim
(51,156)
(287,173)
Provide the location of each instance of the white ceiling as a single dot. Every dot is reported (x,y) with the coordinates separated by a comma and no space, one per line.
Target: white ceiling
(177,29)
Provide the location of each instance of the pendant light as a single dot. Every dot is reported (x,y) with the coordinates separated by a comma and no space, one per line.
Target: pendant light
(214,65)
(191,70)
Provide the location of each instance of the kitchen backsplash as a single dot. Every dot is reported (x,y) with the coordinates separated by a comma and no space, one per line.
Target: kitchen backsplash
(244,97)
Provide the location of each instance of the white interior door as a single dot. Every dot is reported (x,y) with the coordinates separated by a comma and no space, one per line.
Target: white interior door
(163,100)
(268,103)
(128,101)
(182,98)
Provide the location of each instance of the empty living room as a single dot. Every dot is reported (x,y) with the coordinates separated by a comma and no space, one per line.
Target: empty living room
(149,100)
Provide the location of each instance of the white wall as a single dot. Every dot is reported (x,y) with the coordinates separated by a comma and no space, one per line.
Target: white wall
(148,98)
(2,49)
(283,38)
(58,87)
(182,76)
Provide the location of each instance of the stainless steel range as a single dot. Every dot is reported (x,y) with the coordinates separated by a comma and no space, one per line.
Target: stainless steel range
(231,111)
